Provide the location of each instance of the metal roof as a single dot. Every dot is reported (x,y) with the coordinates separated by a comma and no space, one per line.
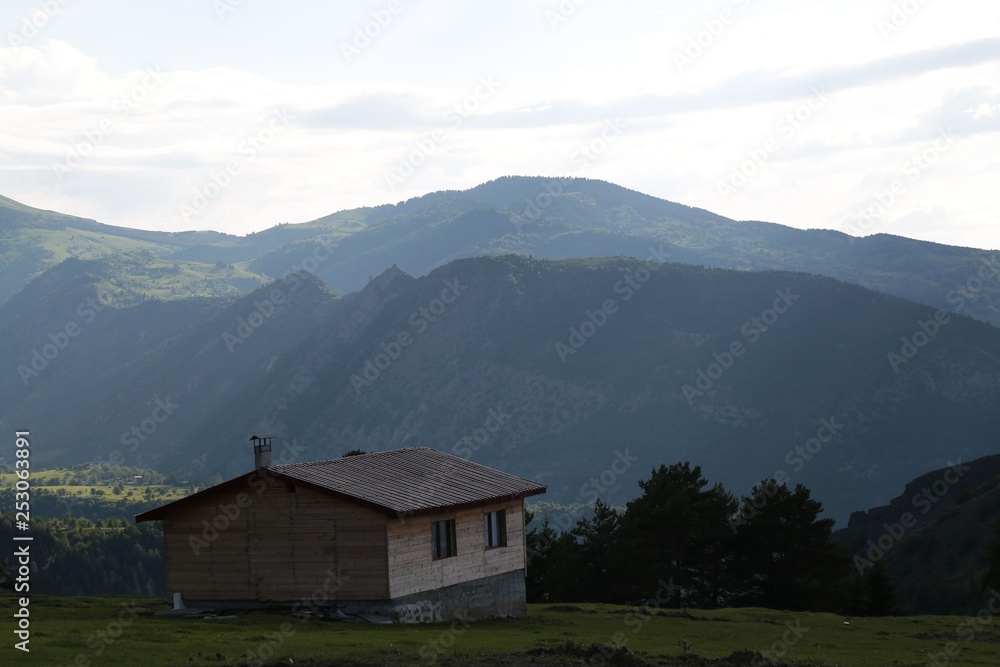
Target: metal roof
(415,480)
(412,480)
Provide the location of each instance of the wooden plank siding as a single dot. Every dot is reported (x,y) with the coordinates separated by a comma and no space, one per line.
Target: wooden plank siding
(412,568)
(287,542)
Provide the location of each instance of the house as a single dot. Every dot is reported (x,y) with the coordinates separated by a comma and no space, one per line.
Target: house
(413,533)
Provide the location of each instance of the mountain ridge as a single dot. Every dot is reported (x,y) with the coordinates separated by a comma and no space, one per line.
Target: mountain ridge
(555,218)
(423,360)
(932,536)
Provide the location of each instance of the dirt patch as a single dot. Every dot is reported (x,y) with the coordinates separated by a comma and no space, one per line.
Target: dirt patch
(595,654)
(602,654)
(569,608)
(565,655)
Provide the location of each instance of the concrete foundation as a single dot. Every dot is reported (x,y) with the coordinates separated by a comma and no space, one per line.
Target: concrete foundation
(499,596)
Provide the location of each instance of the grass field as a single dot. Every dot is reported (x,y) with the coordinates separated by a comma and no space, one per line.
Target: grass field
(121,631)
(48,480)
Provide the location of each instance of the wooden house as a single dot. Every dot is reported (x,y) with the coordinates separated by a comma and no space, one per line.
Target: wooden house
(414,533)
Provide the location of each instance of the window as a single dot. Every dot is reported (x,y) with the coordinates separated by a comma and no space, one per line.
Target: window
(443,539)
(494,529)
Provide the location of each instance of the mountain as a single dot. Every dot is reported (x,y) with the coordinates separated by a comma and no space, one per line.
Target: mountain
(145,264)
(581,374)
(546,218)
(932,536)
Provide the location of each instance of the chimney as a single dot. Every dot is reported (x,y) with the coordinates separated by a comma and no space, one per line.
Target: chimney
(261,450)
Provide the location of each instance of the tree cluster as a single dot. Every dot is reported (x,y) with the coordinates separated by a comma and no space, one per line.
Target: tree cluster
(768,549)
(77,556)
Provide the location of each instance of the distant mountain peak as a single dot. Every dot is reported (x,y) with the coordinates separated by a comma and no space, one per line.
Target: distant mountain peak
(382,280)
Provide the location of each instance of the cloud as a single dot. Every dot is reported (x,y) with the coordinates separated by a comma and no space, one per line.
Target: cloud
(48,75)
(352,126)
(759,87)
(377,111)
(965,110)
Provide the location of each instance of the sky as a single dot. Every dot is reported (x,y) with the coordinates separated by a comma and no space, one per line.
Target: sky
(235,115)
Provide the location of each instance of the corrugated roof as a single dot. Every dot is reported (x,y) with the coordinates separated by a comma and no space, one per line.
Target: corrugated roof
(412,480)
(408,481)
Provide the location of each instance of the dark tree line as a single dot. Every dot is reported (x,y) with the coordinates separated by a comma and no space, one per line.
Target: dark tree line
(77,556)
(991,556)
(768,549)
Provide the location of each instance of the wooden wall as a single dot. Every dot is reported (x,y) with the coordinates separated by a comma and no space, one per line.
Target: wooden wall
(412,568)
(273,543)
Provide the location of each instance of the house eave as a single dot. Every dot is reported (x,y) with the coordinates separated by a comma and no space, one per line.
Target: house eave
(159,513)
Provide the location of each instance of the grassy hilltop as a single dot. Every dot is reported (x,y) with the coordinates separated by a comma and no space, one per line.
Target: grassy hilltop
(110,631)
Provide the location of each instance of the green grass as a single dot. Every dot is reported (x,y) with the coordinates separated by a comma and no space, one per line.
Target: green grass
(83,243)
(42,481)
(162,492)
(149,275)
(103,631)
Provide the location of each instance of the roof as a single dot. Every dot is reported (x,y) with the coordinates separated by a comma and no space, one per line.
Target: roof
(416,480)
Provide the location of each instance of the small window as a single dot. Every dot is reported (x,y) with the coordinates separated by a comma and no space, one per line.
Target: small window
(443,539)
(494,529)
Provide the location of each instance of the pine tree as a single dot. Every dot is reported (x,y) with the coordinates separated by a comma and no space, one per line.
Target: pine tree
(991,578)
(553,566)
(677,531)
(880,591)
(786,559)
(599,554)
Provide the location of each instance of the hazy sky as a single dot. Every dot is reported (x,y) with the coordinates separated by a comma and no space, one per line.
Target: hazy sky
(864,116)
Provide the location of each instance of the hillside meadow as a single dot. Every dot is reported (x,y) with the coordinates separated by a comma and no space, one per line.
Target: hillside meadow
(110,631)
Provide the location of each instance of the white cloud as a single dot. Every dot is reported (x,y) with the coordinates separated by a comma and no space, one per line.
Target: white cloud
(354,123)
